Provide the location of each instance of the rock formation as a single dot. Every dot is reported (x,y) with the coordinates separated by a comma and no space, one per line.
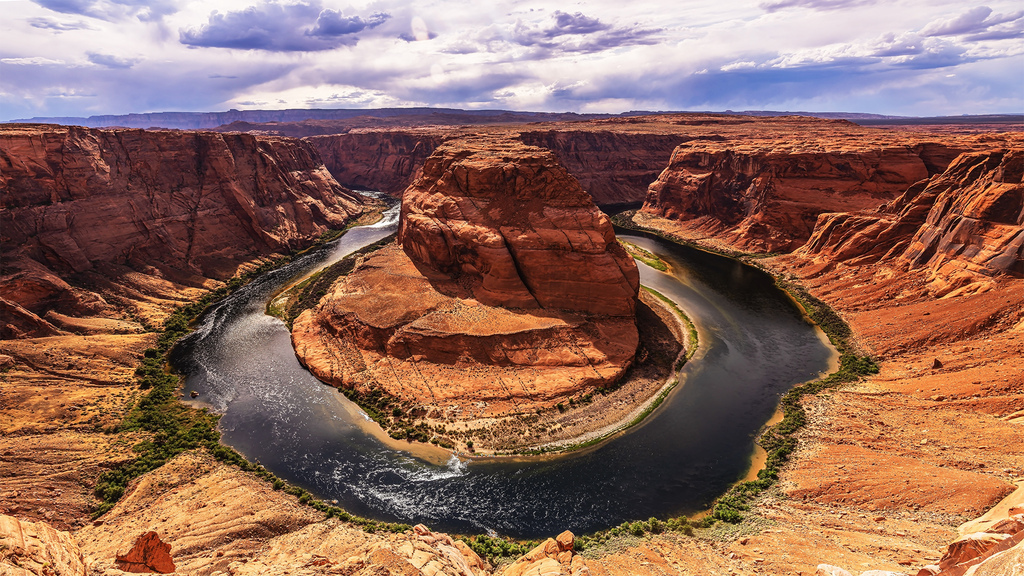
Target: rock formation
(30,548)
(117,205)
(385,161)
(613,167)
(509,290)
(768,198)
(149,554)
(554,556)
(964,226)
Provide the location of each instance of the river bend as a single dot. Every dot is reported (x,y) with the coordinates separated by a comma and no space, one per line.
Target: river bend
(754,346)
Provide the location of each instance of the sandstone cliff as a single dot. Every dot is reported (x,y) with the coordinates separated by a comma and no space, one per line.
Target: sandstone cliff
(509,291)
(384,161)
(768,198)
(613,167)
(83,208)
(517,222)
(964,226)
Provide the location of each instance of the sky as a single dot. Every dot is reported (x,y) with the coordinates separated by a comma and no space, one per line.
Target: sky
(903,57)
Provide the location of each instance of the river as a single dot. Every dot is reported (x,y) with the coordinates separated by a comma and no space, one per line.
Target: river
(754,346)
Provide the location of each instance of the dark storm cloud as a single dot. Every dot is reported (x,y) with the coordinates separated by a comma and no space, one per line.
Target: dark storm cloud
(279,27)
(48,24)
(111,10)
(579,33)
(976,21)
(812,4)
(111,61)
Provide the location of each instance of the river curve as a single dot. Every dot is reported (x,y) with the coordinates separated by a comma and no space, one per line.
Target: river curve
(754,345)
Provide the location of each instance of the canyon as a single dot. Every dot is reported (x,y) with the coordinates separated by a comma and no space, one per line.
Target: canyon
(914,239)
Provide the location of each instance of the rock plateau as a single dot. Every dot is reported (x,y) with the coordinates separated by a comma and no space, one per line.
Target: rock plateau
(508,292)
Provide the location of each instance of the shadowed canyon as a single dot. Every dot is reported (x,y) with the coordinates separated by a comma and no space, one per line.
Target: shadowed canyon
(506,298)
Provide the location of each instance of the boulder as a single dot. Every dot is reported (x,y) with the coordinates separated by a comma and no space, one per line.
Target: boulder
(970,547)
(148,554)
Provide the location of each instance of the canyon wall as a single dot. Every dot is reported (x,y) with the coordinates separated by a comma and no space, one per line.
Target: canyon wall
(613,167)
(83,207)
(963,226)
(384,161)
(509,291)
(768,198)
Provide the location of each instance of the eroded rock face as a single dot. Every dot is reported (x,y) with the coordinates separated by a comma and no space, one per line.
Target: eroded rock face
(198,201)
(508,291)
(512,220)
(28,548)
(963,226)
(114,205)
(769,198)
(385,161)
(613,167)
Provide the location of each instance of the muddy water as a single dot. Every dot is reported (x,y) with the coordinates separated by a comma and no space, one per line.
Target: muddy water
(754,347)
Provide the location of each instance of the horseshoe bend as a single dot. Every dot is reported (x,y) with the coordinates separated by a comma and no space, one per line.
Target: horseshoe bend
(506,305)
(505,294)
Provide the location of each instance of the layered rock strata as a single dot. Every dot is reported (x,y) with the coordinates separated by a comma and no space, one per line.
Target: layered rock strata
(508,291)
(768,198)
(613,167)
(84,207)
(964,226)
(102,234)
(377,160)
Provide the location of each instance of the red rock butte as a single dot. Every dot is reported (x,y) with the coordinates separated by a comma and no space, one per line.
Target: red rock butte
(509,291)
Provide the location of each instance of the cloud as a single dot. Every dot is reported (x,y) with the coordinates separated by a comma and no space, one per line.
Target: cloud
(812,4)
(574,24)
(333,23)
(579,33)
(48,24)
(975,21)
(112,10)
(110,61)
(278,27)
(33,61)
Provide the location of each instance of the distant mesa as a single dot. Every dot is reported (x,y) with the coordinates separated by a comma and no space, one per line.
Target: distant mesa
(506,292)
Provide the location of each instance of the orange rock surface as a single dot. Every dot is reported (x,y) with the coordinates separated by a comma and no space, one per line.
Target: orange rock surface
(102,234)
(764,189)
(519,227)
(109,206)
(963,226)
(149,554)
(509,291)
